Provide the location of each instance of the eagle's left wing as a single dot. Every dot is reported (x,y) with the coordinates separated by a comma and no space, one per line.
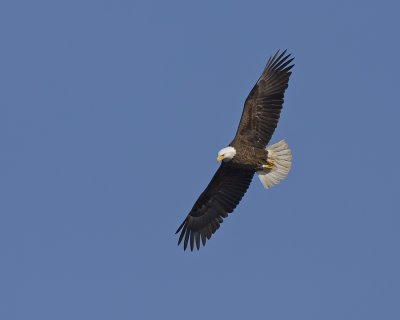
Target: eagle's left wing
(220,198)
(263,105)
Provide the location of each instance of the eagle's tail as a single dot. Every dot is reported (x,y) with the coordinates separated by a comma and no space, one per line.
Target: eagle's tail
(278,166)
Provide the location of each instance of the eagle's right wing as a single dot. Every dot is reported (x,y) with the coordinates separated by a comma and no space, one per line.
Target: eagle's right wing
(220,198)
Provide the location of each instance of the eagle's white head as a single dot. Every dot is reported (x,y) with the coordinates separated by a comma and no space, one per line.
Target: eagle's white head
(226,154)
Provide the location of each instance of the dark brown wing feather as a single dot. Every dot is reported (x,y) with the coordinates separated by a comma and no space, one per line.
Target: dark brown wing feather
(263,105)
(220,198)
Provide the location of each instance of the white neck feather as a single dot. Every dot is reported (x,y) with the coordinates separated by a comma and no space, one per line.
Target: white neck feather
(228,153)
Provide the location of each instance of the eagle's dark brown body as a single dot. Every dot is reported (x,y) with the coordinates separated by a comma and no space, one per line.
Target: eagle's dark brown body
(248,157)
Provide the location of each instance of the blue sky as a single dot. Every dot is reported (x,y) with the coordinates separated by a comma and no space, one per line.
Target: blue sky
(111,115)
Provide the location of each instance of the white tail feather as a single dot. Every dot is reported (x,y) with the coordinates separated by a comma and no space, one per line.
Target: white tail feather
(279,153)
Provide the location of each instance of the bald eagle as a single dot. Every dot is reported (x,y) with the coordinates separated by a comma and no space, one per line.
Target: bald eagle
(246,155)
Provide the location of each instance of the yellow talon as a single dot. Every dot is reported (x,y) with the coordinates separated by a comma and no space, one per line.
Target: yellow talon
(270,164)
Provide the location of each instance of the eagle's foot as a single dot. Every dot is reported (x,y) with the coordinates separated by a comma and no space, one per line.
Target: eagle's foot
(270,164)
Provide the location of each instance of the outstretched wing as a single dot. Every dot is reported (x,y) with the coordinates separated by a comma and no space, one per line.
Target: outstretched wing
(263,105)
(220,198)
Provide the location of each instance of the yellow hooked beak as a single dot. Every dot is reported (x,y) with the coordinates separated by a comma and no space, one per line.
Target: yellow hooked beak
(220,157)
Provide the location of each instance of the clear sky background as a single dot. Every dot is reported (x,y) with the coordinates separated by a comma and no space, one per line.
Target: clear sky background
(111,115)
